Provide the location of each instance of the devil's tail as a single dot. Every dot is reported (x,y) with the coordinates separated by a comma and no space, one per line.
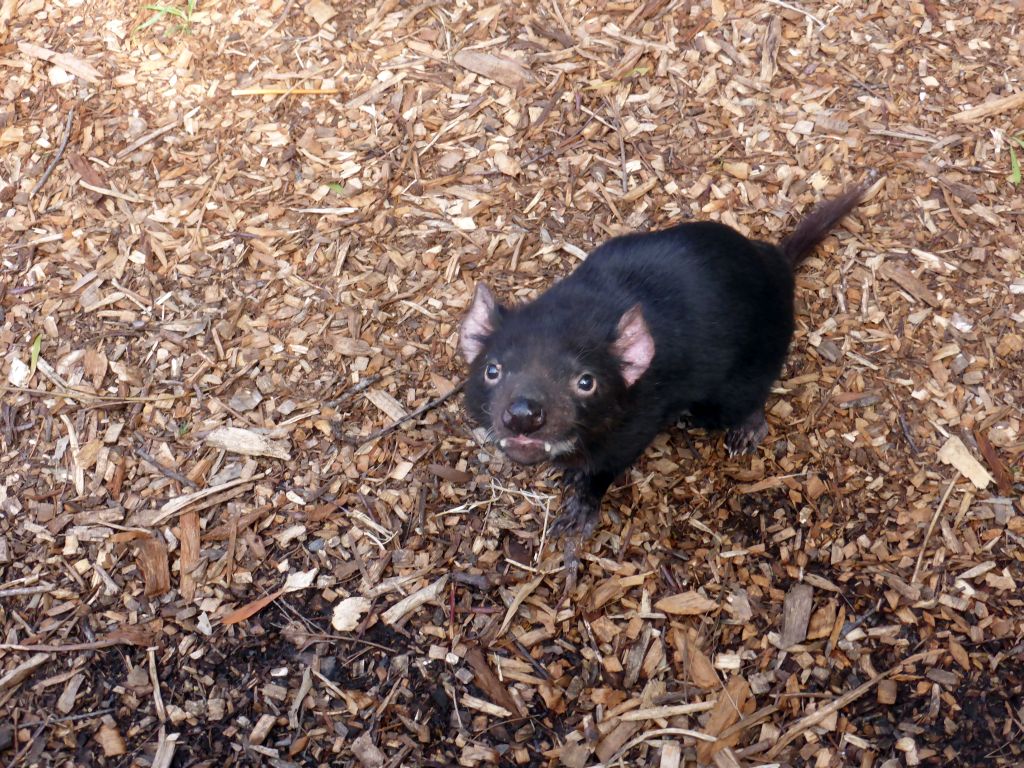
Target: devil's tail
(816,225)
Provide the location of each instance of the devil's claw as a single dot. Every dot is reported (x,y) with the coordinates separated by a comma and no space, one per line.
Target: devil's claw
(579,518)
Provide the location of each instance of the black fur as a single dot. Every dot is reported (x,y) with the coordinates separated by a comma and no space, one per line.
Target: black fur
(719,308)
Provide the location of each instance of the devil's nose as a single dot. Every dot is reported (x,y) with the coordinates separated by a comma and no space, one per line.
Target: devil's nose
(523,416)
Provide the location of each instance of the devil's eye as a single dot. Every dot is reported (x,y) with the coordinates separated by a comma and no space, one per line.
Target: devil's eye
(492,372)
(586,384)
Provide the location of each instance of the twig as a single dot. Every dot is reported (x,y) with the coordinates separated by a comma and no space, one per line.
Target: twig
(906,432)
(154,679)
(904,426)
(649,735)
(931,527)
(408,417)
(28,745)
(56,158)
(284,91)
(166,471)
(107,642)
(794,8)
(567,143)
(987,108)
(103,400)
(110,192)
(622,145)
(73,718)
(15,591)
(355,389)
(147,137)
(277,22)
(749,721)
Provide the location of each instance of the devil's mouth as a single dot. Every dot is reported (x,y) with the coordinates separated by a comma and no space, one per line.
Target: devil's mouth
(531,450)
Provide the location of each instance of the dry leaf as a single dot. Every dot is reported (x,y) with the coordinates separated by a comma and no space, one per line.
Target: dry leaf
(488,681)
(524,592)
(89,175)
(95,365)
(1003,478)
(685,604)
(72,64)
(507,165)
(350,347)
(299,580)
(247,443)
(19,373)
(695,663)
(250,609)
(110,740)
(348,612)
(728,709)
(497,68)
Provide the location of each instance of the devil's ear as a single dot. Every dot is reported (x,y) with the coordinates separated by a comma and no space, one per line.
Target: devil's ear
(479,323)
(633,345)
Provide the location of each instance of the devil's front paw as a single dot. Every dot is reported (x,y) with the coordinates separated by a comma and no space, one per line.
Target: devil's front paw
(579,518)
(747,436)
(572,479)
(576,523)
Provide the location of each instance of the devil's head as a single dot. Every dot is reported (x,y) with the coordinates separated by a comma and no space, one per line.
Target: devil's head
(545,377)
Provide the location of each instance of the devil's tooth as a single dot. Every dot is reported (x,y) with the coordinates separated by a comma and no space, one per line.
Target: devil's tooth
(547,447)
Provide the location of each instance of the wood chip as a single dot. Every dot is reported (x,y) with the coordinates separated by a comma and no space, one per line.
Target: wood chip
(729,708)
(954,452)
(151,556)
(905,280)
(387,404)
(295,263)
(796,613)
(366,752)
(489,682)
(886,693)
(320,11)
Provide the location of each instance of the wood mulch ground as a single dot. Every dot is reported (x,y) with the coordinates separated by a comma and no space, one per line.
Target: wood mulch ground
(235,251)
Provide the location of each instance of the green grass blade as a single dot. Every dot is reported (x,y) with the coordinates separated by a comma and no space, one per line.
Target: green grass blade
(167,9)
(148,22)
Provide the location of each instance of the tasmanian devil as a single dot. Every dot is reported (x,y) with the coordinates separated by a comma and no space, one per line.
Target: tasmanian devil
(696,318)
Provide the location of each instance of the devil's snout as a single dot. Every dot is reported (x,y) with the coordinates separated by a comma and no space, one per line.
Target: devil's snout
(523,416)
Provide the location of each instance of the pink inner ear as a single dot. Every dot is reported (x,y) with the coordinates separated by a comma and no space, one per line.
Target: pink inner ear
(633,345)
(478,323)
